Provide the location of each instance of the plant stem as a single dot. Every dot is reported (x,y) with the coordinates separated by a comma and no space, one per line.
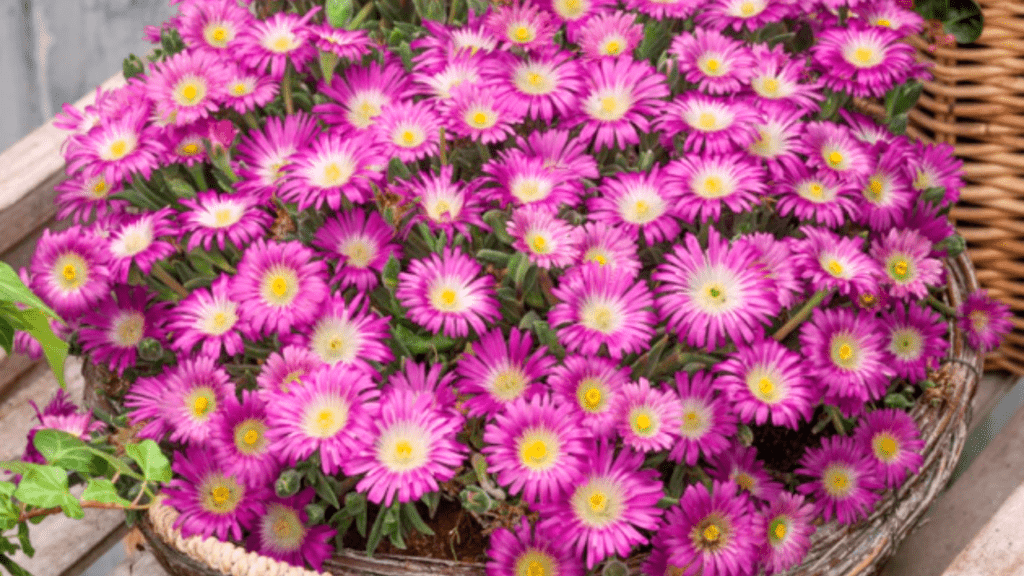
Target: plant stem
(286,88)
(444,148)
(85,504)
(941,307)
(169,281)
(196,171)
(801,315)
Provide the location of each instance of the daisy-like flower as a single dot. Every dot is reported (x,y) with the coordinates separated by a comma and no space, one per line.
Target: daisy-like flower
(887,193)
(893,16)
(607,245)
(361,242)
(710,182)
(435,381)
(649,418)
(741,15)
(788,523)
(359,95)
(535,447)
(239,440)
(620,97)
(714,125)
(832,147)
(59,414)
(611,501)
(276,41)
(111,332)
(638,203)
(593,385)
(444,203)
(117,148)
(336,165)
(863,60)
(844,479)
(843,349)
(69,270)
(208,316)
(935,166)
(892,439)
(739,464)
(546,239)
(775,258)
(610,35)
(281,532)
(706,422)
(443,44)
(213,26)
(600,306)
(84,199)
(780,78)
(527,552)
(285,370)
(480,113)
(817,196)
(209,501)
(408,130)
(500,371)
(464,70)
(765,379)
(904,256)
(522,24)
(136,240)
(349,44)
(445,293)
(661,9)
(713,295)
(984,320)
(776,136)
(246,91)
(263,154)
(330,412)
(829,261)
(525,180)
(184,144)
(187,86)
(279,285)
(212,218)
(560,151)
(408,451)
(349,333)
(712,532)
(538,85)
(182,401)
(717,63)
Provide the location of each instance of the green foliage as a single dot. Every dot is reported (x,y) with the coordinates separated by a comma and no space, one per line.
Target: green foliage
(33,316)
(961,18)
(151,460)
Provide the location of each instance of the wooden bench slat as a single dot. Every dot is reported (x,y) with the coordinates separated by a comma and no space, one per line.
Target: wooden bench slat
(998,549)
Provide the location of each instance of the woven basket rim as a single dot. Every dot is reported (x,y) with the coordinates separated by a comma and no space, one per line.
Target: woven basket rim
(852,549)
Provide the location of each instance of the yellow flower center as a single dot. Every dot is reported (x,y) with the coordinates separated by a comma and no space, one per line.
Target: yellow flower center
(69,272)
(747,9)
(220,494)
(403,451)
(534,568)
(600,259)
(279,286)
(522,34)
(598,502)
(190,149)
(251,437)
(835,267)
(816,190)
(332,173)
(780,531)
(282,44)
(200,405)
(885,446)
(883,22)
(240,89)
(835,159)
(712,185)
(901,268)
(875,186)
(100,188)
(608,104)
(643,423)
(408,138)
(535,452)
(845,352)
(539,244)
(592,397)
(771,85)
(745,481)
(712,533)
(863,54)
(707,120)
(220,34)
(325,419)
(765,385)
(189,92)
(613,48)
(118,149)
(448,296)
(713,65)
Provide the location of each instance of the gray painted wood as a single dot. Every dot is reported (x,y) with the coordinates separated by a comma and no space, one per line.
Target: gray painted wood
(55,51)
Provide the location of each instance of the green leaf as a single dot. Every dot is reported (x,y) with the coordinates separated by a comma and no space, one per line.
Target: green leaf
(12,289)
(964,21)
(65,450)
(326,490)
(390,273)
(6,335)
(12,567)
(656,40)
(376,532)
(498,258)
(355,505)
(154,465)
(23,539)
(898,125)
(339,12)
(54,349)
(103,490)
(46,487)
(902,98)
(418,344)
(412,516)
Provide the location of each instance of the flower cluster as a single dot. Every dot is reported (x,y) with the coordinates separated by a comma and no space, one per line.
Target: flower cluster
(536,262)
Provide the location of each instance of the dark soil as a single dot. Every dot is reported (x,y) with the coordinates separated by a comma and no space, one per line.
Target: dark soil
(782,448)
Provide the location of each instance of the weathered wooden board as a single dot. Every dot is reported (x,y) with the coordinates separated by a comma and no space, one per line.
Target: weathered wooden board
(998,549)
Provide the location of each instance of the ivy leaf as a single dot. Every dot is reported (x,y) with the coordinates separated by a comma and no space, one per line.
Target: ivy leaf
(964,21)
(64,449)
(6,335)
(23,539)
(103,490)
(13,567)
(12,289)
(46,487)
(154,465)
(37,324)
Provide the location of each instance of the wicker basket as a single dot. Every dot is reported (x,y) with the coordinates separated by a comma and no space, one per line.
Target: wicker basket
(854,550)
(976,104)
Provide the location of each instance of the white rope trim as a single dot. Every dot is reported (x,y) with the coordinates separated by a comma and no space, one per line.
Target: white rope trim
(216,554)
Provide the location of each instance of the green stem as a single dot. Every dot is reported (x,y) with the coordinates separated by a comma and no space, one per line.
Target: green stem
(941,307)
(250,120)
(196,171)
(444,148)
(286,89)
(160,274)
(801,315)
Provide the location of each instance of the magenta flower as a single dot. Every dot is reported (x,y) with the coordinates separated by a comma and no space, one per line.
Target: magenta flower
(607,245)
(500,371)
(593,386)
(276,41)
(638,203)
(529,551)
(330,412)
(525,180)
(741,15)
(246,91)
(69,270)
(281,532)
(844,479)
(887,193)
(788,523)
(336,166)
(358,95)
(184,144)
(713,295)
(362,243)
(443,202)
(547,240)
(891,437)
(775,137)
(446,294)
(661,9)
(739,464)
(713,532)
(904,255)
(348,44)
(522,24)
(777,76)
(279,285)
(187,86)
(832,262)
(843,350)
(442,44)
(776,259)
(916,340)
(208,316)
(213,27)
(984,320)
(286,369)
(819,197)
(535,447)
(409,449)
(610,35)
(136,240)
(349,333)
(935,166)
(709,183)
(265,154)
(603,513)
(212,218)
(713,125)
(110,333)
(239,440)
(863,60)
(562,152)
(620,97)
(833,148)
(649,418)
(706,422)
(600,306)
(408,130)
(59,414)
(538,85)
(209,501)
(117,148)
(85,198)
(766,379)
(480,113)
(716,63)
(435,381)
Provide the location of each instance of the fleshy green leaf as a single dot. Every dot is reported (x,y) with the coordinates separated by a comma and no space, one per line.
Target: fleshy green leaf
(154,465)
(103,490)
(12,289)
(6,335)
(23,539)
(964,21)
(55,350)
(13,567)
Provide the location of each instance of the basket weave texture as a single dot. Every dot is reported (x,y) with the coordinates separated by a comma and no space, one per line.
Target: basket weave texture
(861,549)
(976,104)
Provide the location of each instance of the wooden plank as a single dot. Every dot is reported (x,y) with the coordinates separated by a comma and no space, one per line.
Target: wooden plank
(13,368)
(139,564)
(998,549)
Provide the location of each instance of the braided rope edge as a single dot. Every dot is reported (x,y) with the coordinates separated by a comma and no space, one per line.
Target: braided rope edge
(224,556)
